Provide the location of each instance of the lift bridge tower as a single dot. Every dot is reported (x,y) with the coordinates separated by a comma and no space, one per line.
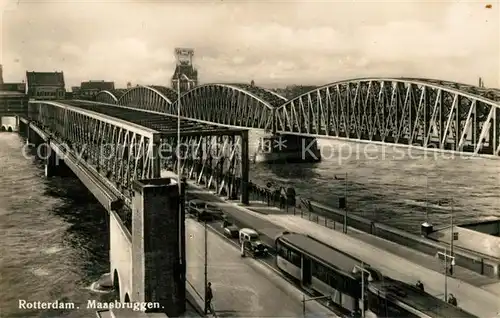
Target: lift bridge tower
(185,74)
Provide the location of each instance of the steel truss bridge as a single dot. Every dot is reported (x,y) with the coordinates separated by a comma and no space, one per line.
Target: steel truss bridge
(109,149)
(404,111)
(129,135)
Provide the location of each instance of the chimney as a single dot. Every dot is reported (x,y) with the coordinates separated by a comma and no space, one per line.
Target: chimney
(1,74)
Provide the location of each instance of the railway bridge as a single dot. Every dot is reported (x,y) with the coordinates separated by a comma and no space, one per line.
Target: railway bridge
(119,143)
(423,113)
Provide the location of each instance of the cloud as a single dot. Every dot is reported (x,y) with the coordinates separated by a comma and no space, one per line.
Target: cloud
(273,43)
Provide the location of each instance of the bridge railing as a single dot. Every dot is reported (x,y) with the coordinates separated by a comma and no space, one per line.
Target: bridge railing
(116,150)
(334,218)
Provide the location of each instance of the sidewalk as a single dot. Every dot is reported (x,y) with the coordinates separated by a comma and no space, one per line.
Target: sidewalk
(415,256)
(400,262)
(242,287)
(473,299)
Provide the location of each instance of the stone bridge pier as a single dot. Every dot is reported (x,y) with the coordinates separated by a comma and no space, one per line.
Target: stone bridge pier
(148,263)
(39,144)
(282,148)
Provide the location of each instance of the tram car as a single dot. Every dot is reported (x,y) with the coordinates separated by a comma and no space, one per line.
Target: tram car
(323,269)
(393,298)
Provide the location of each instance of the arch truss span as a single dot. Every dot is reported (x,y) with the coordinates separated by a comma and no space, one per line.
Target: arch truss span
(148,98)
(107,97)
(399,111)
(236,105)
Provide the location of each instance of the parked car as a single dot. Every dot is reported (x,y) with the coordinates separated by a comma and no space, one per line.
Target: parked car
(247,234)
(254,249)
(205,216)
(215,211)
(231,231)
(194,207)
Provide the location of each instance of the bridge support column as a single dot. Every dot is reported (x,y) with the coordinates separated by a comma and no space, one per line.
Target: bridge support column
(30,135)
(51,160)
(158,247)
(245,168)
(281,148)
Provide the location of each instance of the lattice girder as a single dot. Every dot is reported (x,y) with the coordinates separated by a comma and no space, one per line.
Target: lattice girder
(223,104)
(106,97)
(227,158)
(396,111)
(227,105)
(118,151)
(214,161)
(152,98)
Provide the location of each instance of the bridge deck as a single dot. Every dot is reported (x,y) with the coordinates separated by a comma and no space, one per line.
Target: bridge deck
(242,287)
(166,125)
(475,300)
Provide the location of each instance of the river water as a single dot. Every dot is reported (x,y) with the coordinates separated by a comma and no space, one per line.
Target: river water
(394,185)
(54,237)
(54,233)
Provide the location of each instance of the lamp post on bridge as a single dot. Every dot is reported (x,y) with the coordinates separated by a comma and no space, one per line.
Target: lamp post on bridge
(363,270)
(445,255)
(344,199)
(181,184)
(453,234)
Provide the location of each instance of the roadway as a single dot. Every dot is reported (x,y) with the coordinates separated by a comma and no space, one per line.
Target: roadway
(473,299)
(242,287)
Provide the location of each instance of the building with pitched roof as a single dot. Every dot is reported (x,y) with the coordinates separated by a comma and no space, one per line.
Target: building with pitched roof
(91,88)
(46,85)
(13,99)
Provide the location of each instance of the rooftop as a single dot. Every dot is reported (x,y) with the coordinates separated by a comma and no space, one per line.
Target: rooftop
(420,300)
(5,94)
(100,85)
(45,78)
(13,87)
(322,252)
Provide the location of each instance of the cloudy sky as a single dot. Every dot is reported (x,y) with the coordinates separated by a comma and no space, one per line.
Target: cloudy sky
(274,43)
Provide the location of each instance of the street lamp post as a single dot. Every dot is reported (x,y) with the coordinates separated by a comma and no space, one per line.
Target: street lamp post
(181,207)
(206,266)
(345,199)
(363,271)
(446,256)
(453,235)
(304,300)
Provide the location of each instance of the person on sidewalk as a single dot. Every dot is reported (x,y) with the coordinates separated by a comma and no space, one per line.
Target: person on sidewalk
(452,300)
(208,299)
(420,285)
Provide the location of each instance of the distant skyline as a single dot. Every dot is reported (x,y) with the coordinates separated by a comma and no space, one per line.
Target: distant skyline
(273,43)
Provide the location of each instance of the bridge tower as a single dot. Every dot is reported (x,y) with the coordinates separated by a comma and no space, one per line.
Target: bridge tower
(185,75)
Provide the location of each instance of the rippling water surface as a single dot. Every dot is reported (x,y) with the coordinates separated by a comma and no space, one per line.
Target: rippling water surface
(394,185)
(55,239)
